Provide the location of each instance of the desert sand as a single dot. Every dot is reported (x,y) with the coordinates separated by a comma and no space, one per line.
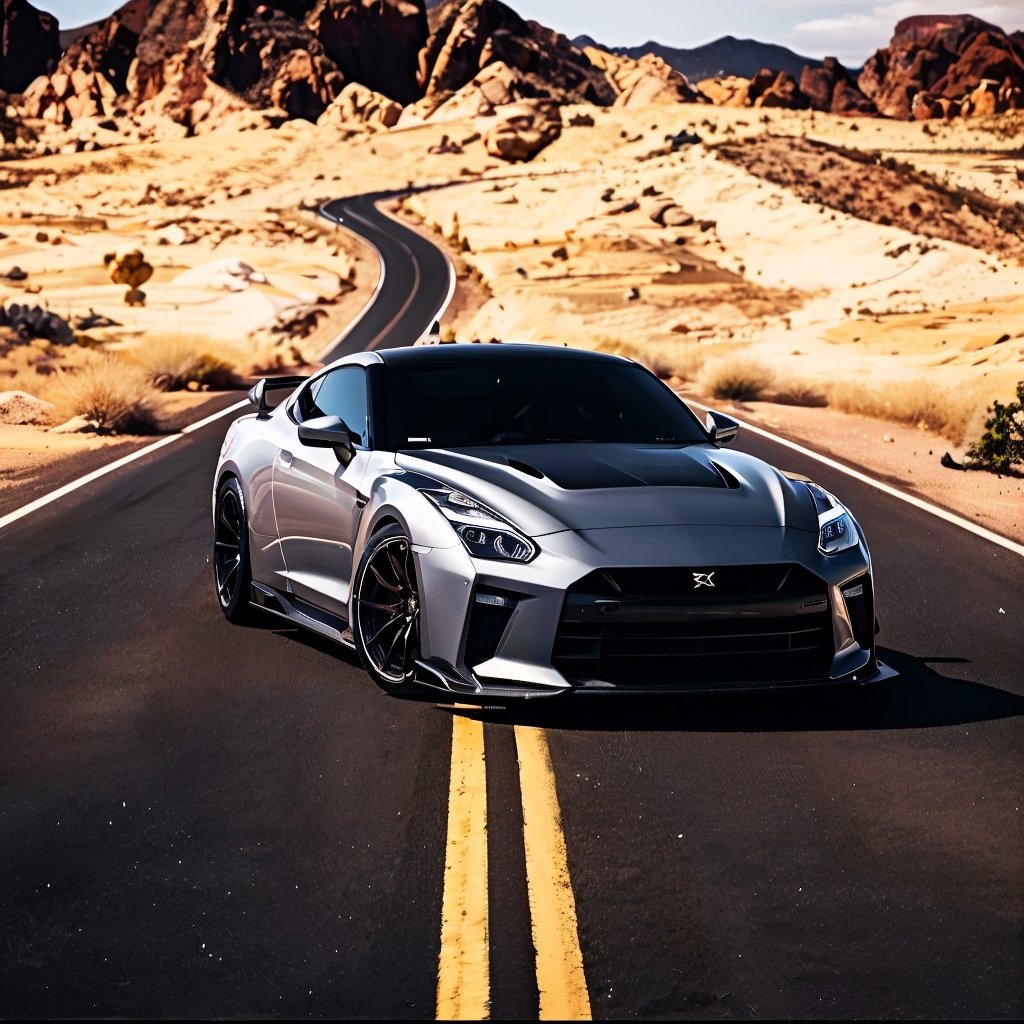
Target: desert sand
(681,253)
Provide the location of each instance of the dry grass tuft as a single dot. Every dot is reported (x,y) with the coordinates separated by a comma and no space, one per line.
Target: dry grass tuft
(741,379)
(110,393)
(171,362)
(950,413)
(799,392)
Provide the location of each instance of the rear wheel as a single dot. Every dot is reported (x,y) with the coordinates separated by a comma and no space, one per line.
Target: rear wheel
(231,572)
(386,611)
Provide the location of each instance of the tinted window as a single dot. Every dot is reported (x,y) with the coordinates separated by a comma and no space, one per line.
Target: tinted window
(339,393)
(525,401)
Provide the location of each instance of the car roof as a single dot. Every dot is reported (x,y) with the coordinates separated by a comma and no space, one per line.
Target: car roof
(421,356)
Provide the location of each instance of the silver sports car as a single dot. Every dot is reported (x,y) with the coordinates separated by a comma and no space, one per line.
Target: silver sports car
(523,521)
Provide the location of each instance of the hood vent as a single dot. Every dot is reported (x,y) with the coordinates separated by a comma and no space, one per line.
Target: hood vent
(527,469)
(730,481)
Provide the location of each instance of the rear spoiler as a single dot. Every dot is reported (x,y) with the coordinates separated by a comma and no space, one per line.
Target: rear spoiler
(258,393)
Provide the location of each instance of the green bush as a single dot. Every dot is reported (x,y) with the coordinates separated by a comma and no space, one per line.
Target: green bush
(1001,447)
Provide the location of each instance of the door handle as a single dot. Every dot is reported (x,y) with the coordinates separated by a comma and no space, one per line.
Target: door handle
(285,457)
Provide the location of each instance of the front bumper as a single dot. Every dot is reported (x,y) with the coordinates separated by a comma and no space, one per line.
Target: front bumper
(622,611)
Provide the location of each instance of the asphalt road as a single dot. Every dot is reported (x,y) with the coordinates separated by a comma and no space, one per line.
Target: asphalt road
(200,820)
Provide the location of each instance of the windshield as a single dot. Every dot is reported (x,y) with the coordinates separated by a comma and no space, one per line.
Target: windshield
(458,404)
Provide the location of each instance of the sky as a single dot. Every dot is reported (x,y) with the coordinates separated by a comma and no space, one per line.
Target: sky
(851,30)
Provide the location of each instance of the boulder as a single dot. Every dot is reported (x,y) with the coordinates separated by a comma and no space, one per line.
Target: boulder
(129,267)
(359,104)
(523,129)
(727,91)
(783,92)
(19,407)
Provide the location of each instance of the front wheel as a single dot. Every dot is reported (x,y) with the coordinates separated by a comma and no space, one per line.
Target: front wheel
(386,611)
(231,572)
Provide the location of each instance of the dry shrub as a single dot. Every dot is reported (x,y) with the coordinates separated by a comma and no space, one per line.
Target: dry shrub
(799,392)
(112,394)
(742,379)
(919,402)
(172,361)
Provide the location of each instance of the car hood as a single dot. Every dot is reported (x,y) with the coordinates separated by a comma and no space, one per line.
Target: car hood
(546,488)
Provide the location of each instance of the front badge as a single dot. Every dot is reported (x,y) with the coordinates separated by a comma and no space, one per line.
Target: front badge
(703,579)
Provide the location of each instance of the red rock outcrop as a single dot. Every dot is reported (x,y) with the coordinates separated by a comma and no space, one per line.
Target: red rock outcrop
(29,44)
(831,89)
(475,33)
(374,42)
(639,82)
(942,57)
(781,91)
(194,62)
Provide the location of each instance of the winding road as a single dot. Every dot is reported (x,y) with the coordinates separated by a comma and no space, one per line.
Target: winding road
(201,820)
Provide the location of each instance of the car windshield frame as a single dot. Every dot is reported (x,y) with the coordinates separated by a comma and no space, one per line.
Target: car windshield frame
(466,402)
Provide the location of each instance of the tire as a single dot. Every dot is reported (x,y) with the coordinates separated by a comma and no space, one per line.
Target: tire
(386,611)
(232,573)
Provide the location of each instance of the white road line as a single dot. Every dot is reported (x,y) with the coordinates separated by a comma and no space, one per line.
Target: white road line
(925,506)
(33,506)
(46,499)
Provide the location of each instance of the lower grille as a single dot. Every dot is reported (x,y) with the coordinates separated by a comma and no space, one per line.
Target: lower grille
(769,625)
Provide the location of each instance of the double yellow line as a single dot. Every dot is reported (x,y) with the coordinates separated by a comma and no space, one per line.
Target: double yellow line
(463,981)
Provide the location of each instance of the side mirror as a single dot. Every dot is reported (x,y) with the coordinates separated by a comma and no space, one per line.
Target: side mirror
(722,428)
(328,432)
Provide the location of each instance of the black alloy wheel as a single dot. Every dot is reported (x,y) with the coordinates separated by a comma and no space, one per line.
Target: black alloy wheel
(231,571)
(386,608)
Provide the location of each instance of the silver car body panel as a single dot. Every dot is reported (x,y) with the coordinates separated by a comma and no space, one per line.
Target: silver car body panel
(687,509)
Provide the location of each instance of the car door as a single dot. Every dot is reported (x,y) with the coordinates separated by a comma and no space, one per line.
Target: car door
(317,498)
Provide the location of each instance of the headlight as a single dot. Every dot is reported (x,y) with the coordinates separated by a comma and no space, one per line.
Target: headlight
(484,533)
(836,529)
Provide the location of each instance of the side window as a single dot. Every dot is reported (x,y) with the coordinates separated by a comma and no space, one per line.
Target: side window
(340,393)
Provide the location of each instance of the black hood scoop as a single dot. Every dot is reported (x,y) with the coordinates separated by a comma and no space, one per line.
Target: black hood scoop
(583,467)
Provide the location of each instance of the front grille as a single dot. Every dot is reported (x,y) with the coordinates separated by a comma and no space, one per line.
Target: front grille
(650,628)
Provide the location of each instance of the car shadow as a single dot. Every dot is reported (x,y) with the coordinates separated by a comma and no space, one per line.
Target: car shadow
(919,698)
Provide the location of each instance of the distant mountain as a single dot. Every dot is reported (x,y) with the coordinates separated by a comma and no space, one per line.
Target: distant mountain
(725,56)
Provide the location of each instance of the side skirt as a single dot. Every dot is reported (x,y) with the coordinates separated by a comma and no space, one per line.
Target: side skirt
(302,614)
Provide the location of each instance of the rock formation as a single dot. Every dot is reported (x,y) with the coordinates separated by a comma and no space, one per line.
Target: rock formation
(944,58)
(129,267)
(831,89)
(374,42)
(358,105)
(474,34)
(523,129)
(29,44)
(194,63)
(643,81)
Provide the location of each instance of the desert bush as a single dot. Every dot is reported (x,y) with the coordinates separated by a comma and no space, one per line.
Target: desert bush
(743,379)
(112,394)
(799,392)
(1001,446)
(172,361)
(914,401)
